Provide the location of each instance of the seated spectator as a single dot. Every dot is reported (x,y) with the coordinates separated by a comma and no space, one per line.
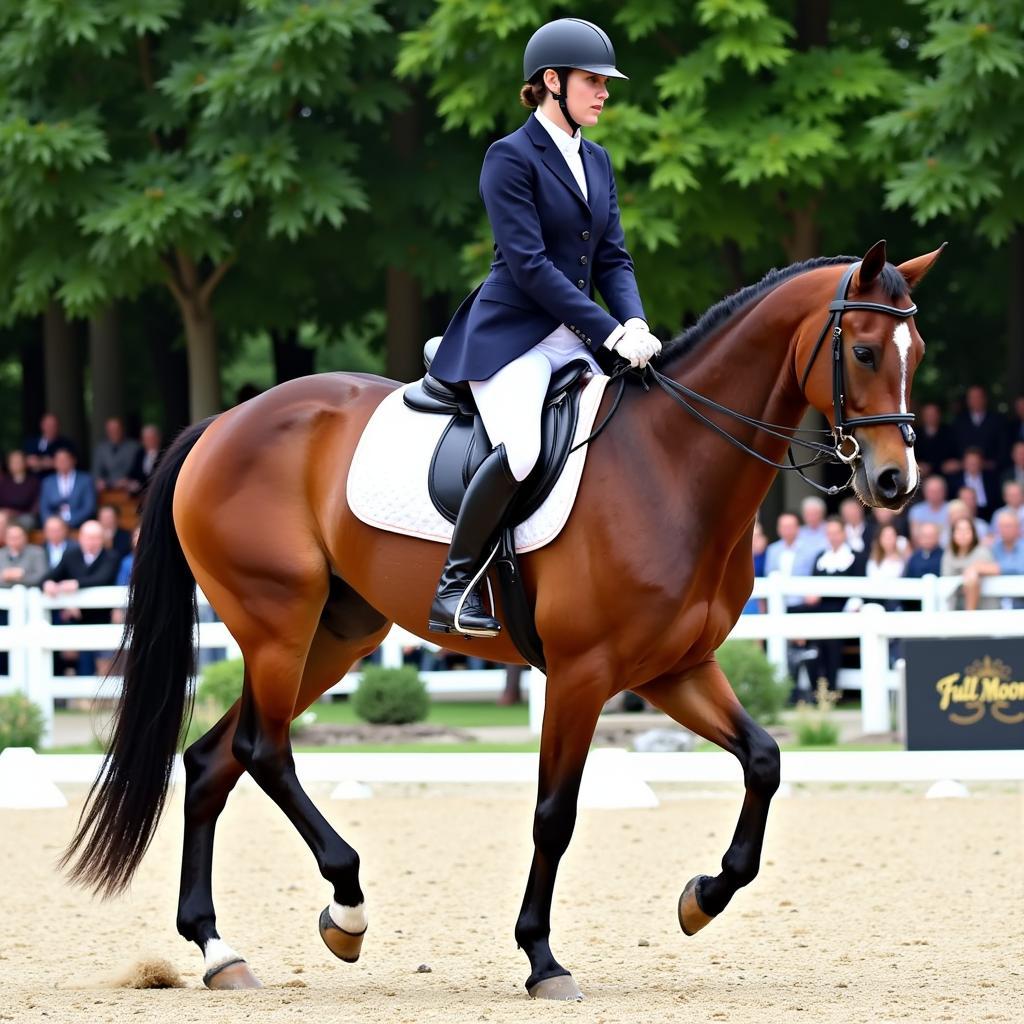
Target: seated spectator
(19,491)
(114,537)
(978,479)
(89,564)
(978,427)
(1008,550)
(967,557)
(115,459)
(1013,500)
(935,447)
(759,545)
(149,452)
(932,509)
(21,563)
(786,555)
(1016,470)
(957,509)
(40,450)
(851,511)
(55,540)
(67,492)
(926,559)
(813,534)
(886,517)
(124,572)
(886,559)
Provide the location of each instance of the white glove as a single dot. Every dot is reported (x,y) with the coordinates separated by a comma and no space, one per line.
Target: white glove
(637,345)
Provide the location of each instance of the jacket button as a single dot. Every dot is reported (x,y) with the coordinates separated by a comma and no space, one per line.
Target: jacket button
(583,259)
(580,283)
(585,235)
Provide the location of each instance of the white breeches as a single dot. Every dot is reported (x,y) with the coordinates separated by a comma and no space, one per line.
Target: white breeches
(510,401)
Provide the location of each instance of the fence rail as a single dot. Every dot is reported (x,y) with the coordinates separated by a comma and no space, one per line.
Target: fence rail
(30,638)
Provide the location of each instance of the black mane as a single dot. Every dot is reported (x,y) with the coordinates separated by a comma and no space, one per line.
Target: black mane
(891,280)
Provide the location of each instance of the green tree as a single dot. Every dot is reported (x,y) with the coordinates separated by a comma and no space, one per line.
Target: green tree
(156,141)
(956,139)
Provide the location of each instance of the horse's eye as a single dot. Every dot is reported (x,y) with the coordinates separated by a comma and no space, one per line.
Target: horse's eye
(864,355)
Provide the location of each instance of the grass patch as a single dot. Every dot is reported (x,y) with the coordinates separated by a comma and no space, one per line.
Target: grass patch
(454,714)
(424,748)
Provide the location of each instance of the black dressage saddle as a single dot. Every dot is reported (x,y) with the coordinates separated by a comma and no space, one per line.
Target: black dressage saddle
(464,444)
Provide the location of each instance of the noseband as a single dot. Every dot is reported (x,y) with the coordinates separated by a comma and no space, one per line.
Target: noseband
(841,447)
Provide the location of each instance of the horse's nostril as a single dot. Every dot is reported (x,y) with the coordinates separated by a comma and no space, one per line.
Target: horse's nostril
(889,482)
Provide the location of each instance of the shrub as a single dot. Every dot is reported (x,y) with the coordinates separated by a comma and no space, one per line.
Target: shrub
(816,730)
(220,684)
(21,722)
(759,686)
(391,695)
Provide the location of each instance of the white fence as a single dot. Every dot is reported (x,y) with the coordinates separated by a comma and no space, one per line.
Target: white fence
(30,638)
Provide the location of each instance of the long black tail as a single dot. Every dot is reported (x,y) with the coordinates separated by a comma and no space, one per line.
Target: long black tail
(158,656)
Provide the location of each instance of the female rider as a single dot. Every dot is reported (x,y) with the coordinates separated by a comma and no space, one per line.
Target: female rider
(550,197)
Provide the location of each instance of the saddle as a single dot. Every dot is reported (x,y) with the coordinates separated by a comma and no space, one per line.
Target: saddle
(464,445)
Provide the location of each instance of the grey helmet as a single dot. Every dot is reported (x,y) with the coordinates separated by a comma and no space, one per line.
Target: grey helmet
(565,44)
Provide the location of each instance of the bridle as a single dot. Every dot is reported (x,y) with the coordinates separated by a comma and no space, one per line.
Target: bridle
(842,447)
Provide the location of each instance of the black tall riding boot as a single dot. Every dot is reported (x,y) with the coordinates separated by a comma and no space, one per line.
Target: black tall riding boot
(457,607)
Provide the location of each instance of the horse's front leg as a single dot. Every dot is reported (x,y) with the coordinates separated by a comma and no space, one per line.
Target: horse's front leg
(702,700)
(572,705)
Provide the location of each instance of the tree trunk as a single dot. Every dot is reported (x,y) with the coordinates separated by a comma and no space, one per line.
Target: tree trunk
(291,359)
(203,371)
(1015,318)
(106,369)
(33,380)
(513,693)
(64,376)
(405,332)
(170,368)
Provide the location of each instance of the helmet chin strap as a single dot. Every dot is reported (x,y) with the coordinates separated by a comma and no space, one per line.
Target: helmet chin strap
(563,84)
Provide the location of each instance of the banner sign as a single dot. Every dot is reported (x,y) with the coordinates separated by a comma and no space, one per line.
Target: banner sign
(965,694)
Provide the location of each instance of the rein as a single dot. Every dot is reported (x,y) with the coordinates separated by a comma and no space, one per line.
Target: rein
(840,446)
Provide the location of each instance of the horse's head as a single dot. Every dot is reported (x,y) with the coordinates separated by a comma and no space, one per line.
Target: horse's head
(880,352)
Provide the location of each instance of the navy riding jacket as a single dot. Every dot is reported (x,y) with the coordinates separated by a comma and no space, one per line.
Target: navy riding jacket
(551,248)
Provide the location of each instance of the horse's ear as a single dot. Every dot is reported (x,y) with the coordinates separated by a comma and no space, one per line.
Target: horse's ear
(913,270)
(871,266)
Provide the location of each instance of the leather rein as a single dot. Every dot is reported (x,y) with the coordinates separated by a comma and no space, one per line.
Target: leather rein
(841,447)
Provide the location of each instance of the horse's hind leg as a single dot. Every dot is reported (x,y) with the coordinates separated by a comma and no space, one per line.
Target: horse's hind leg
(348,630)
(702,700)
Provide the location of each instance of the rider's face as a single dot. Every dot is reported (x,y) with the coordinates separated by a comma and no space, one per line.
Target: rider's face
(588,93)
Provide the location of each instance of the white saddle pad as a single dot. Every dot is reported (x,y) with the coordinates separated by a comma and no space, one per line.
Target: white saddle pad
(387,482)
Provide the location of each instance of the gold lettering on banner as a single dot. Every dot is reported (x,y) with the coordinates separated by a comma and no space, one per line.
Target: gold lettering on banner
(985,684)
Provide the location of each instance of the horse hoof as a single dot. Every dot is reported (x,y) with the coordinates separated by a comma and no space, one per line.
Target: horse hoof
(691,917)
(233,974)
(344,945)
(562,989)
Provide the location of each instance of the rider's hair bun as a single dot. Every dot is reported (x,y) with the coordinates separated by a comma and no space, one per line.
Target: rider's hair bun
(532,94)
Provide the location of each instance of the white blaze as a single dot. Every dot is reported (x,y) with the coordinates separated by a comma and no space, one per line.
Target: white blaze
(902,340)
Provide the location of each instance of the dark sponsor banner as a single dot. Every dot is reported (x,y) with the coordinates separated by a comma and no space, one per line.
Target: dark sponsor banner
(965,694)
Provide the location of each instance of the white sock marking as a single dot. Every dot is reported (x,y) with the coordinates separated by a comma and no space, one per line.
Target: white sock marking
(217,952)
(349,919)
(902,340)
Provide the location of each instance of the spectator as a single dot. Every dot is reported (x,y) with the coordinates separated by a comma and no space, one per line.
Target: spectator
(978,427)
(1013,501)
(40,450)
(55,540)
(957,509)
(67,492)
(933,508)
(21,563)
(115,459)
(935,447)
(886,559)
(1016,470)
(851,511)
(89,564)
(149,452)
(980,480)
(19,491)
(786,555)
(836,560)
(885,517)
(968,558)
(813,534)
(124,572)
(926,559)
(1015,432)
(759,545)
(1008,549)
(114,537)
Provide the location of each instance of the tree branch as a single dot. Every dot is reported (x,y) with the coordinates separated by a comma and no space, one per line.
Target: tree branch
(172,280)
(210,284)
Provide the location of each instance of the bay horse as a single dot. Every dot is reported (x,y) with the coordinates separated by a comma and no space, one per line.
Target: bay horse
(644,583)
